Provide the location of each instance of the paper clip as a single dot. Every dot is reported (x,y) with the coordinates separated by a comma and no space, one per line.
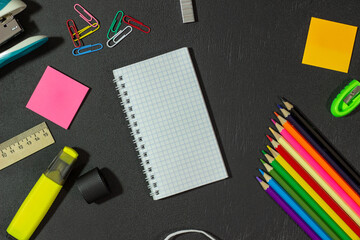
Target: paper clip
(127,19)
(74,34)
(89,18)
(118,37)
(78,52)
(88,33)
(111,29)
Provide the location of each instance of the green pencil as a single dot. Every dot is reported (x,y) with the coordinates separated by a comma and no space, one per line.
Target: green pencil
(300,201)
(305,196)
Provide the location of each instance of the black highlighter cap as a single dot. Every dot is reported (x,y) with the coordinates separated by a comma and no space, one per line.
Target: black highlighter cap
(93,186)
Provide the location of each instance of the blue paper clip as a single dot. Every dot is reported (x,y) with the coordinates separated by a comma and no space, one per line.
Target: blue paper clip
(78,52)
(113,24)
(112,42)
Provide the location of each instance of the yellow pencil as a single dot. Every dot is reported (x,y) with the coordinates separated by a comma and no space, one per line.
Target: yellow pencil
(339,221)
(315,176)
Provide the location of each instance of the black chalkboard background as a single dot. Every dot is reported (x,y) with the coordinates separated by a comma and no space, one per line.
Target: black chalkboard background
(247,53)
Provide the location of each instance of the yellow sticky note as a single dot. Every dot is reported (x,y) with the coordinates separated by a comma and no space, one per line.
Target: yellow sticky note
(329,45)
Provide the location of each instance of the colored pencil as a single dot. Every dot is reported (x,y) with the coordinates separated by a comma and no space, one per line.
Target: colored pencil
(320,149)
(314,189)
(319,159)
(314,175)
(291,202)
(311,212)
(322,141)
(321,175)
(288,209)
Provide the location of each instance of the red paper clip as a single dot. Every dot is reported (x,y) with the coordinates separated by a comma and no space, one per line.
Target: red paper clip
(127,19)
(73,32)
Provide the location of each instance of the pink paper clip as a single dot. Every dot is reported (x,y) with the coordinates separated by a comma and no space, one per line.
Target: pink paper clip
(73,32)
(89,18)
(139,25)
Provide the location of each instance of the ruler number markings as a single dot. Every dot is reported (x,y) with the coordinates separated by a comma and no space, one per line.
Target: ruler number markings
(41,133)
(26,144)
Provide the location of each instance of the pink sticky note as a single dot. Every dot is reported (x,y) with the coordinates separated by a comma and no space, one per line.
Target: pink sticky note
(57,97)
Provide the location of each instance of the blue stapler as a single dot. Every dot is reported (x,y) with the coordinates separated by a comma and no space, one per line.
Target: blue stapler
(9,28)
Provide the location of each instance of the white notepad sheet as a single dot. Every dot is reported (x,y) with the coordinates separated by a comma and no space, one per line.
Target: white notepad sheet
(173,122)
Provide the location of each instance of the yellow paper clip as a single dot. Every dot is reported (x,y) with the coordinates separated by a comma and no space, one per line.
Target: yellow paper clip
(88,33)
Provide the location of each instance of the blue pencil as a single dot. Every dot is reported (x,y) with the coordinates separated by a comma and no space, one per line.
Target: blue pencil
(291,202)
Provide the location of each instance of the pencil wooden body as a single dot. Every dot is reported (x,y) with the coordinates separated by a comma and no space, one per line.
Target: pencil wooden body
(299,197)
(316,192)
(325,145)
(331,185)
(317,178)
(298,210)
(290,212)
(329,158)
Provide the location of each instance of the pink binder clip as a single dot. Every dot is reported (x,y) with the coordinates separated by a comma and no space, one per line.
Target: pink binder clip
(137,24)
(86,16)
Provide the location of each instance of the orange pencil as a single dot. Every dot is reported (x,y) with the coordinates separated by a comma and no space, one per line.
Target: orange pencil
(319,159)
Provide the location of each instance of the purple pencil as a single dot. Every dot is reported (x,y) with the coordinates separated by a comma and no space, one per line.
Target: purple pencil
(288,210)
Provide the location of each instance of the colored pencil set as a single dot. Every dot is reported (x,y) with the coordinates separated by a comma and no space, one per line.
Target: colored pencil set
(310,181)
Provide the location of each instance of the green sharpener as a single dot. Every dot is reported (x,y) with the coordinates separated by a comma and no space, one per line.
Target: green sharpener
(347,100)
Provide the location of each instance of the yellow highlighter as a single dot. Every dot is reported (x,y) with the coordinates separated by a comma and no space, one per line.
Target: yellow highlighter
(42,195)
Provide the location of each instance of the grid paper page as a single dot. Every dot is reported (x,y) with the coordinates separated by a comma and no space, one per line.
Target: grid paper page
(170,123)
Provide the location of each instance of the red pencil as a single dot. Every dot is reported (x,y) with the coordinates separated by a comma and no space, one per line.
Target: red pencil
(314,185)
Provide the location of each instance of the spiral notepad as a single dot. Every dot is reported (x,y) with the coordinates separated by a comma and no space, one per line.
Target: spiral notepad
(170,124)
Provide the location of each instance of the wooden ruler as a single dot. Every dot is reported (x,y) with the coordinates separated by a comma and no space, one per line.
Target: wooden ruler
(25,144)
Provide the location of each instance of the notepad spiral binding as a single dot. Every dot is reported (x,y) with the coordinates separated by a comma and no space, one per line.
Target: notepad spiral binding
(128,109)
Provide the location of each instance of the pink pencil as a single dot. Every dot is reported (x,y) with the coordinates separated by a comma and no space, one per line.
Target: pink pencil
(316,167)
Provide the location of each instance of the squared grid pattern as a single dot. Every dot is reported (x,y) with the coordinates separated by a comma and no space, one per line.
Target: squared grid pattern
(173,122)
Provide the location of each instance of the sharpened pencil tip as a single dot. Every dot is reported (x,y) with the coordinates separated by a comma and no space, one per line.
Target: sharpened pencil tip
(276,114)
(270,139)
(273,152)
(271,130)
(276,135)
(262,161)
(259,179)
(263,152)
(279,106)
(273,121)
(270,148)
(261,171)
